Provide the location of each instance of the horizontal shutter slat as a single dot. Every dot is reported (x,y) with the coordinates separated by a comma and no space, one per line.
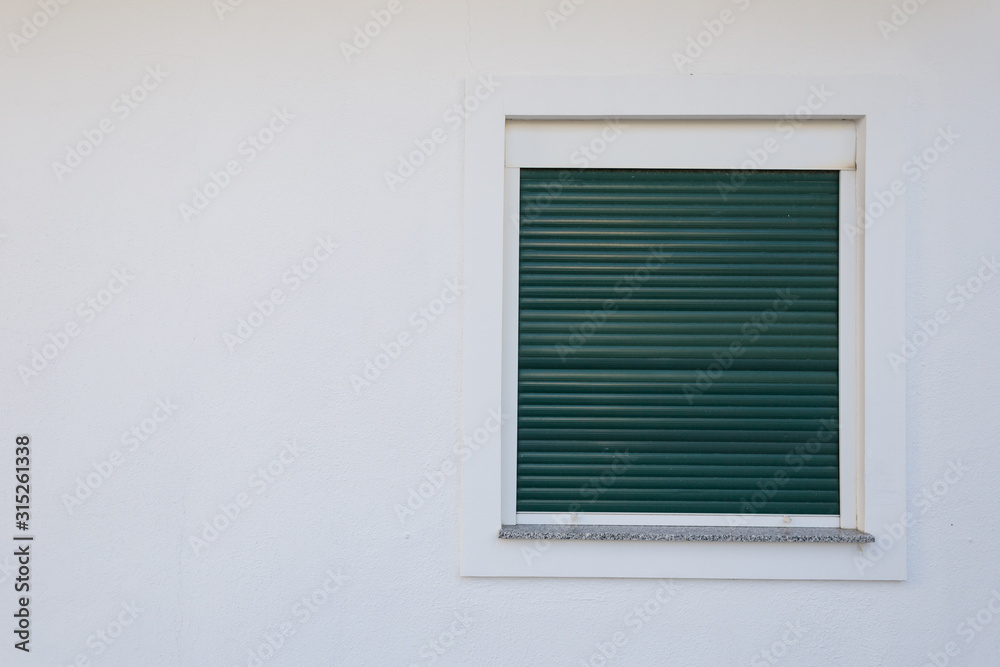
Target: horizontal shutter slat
(539,482)
(678,506)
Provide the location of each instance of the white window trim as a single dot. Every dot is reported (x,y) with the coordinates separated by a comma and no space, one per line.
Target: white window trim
(684,144)
(874,106)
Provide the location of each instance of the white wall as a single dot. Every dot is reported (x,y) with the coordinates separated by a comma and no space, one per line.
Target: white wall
(333,507)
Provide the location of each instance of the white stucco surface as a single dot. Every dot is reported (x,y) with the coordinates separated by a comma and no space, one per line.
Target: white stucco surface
(329,516)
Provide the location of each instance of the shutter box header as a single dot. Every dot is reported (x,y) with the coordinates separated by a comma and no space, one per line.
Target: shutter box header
(752,144)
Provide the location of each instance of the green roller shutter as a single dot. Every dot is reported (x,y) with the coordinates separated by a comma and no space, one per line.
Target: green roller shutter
(678,342)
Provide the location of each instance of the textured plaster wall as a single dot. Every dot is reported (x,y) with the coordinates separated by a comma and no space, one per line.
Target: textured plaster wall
(326,525)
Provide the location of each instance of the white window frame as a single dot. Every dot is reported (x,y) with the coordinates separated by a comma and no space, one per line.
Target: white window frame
(687,123)
(682,144)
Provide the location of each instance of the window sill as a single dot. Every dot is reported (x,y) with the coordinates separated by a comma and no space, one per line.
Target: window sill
(685,533)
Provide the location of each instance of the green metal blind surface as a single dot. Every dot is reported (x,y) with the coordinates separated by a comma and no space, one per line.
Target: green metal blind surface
(678,342)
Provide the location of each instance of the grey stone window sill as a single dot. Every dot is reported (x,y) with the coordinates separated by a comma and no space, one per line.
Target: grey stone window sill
(684,533)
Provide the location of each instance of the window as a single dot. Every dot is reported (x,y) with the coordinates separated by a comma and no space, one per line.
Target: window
(677,349)
(672,318)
